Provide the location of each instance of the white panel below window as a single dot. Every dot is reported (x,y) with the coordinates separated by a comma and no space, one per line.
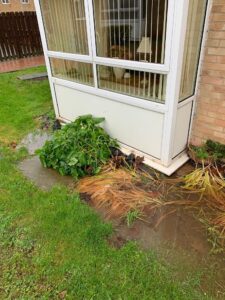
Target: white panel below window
(138,128)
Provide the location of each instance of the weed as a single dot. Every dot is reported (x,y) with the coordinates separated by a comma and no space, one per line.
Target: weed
(79,148)
(209,152)
(132,216)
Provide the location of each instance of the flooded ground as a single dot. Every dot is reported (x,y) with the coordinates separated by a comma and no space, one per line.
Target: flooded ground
(176,233)
(34,141)
(32,167)
(42,177)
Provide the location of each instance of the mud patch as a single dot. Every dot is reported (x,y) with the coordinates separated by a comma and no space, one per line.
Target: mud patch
(42,177)
(174,227)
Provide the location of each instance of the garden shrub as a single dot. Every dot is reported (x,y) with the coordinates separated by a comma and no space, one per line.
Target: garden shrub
(79,148)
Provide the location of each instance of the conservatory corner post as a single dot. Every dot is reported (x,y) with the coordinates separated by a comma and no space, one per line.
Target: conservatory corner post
(174,79)
(92,38)
(45,50)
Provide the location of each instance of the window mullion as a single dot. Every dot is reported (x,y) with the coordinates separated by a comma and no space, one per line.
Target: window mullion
(91,38)
(134,65)
(88,25)
(70,56)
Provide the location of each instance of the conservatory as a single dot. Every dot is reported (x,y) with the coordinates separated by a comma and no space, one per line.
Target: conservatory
(134,62)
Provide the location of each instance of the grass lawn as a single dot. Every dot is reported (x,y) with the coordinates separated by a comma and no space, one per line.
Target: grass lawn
(53,246)
(21,102)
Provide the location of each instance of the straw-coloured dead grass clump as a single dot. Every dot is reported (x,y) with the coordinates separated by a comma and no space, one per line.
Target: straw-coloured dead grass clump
(206,181)
(119,192)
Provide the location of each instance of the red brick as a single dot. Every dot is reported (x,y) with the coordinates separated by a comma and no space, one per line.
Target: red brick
(16,5)
(218,8)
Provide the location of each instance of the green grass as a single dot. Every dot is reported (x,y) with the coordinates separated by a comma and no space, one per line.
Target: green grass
(53,246)
(21,102)
(51,242)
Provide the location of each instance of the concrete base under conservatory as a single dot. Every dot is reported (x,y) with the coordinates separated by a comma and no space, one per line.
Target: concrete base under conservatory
(177,162)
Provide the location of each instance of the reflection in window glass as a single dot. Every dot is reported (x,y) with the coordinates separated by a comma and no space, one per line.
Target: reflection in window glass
(65,25)
(72,70)
(196,17)
(138,84)
(132,30)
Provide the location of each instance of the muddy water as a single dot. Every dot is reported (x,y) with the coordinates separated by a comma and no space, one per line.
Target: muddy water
(179,229)
(34,141)
(42,177)
(32,168)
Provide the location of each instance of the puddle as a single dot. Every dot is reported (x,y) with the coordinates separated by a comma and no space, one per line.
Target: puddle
(173,227)
(32,167)
(179,229)
(34,141)
(42,177)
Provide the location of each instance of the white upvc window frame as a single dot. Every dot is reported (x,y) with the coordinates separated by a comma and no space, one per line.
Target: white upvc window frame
(95,60)
(177,15)
(5,1)
(24,1)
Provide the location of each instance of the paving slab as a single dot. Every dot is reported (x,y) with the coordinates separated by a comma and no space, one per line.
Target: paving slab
(34,76)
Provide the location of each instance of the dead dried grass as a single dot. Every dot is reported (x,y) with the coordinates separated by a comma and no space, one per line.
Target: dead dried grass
(119,192)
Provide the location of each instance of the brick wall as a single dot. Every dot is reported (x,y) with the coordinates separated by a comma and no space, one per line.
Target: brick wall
(17,5)
(209,119)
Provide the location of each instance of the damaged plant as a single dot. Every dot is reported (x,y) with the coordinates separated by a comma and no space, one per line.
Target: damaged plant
(79,148)
(208,177)
(209,153)
(120,193)
(208,180)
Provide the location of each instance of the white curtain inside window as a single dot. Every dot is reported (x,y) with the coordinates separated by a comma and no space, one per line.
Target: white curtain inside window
(72,70)
(65,25)
(131,29)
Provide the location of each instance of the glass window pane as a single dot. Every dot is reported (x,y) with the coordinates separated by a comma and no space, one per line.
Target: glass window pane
(72,70)
(133,30)
(138,84)
(65,25)
(196,17)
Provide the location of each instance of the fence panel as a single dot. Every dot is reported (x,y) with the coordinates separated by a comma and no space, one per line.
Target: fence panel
(19,35)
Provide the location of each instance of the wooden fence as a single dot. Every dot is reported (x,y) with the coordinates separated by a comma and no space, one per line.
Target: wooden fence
(19,35)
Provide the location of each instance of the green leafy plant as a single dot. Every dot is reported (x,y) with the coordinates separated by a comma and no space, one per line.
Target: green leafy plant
(209,152)
(79,148)
(217,150)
